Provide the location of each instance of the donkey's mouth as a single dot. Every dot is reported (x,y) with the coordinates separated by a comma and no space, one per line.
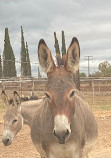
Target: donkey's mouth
(61,141)
(62,136)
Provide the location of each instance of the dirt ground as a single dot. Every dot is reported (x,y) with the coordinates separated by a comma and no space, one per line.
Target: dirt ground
(22,146)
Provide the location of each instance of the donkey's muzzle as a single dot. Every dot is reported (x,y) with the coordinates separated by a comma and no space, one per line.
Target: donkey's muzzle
(61,135)
(6,141)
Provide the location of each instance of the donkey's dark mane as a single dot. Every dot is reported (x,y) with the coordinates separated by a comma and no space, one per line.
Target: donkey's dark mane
(60,60)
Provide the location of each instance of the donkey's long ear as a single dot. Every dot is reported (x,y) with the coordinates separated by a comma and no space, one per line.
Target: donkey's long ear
(16,100)
(73,56)
(4,98)
(45,57)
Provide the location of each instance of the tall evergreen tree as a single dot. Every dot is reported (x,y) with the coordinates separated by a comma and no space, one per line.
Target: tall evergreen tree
(39,75)
(28,61)
(57,50)
(13,67)
(9,69)
(6,64)
(0,67)
(63,44)
(23,55)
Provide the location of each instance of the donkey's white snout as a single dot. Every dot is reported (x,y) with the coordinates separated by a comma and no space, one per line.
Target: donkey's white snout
(7,137)
(61,129)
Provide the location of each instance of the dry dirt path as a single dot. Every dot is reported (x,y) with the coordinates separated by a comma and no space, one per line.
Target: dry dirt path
(22,146)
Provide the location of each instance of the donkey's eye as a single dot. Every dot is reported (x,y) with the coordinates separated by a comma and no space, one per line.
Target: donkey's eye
(72,94)
(15,120)
(47,95)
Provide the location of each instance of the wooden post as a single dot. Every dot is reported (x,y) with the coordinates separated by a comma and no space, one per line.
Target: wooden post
(20,89)
(33,88)
(93,90)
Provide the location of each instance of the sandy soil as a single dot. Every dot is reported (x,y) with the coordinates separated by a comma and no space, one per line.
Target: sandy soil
(22,146)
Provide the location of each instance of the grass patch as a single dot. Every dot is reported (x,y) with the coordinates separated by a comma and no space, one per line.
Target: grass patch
(100,102)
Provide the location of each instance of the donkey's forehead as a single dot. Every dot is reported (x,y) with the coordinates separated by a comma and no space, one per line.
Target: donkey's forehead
(11,113)
(60,78)
(60,71)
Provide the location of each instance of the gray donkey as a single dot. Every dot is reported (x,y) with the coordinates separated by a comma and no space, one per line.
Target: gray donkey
(63,125)
(16,115)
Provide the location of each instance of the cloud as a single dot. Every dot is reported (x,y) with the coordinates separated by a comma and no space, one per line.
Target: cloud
(88,20)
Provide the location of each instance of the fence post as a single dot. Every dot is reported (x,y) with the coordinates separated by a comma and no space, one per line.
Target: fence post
(99,86)
(20,88)
(2,86)
(33,88)
(93,90)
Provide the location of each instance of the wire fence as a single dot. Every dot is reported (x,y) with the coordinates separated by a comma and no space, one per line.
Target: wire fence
(96,90)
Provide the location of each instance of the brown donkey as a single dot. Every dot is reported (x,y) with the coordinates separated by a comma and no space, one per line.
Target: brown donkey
(63,126)
(16,115)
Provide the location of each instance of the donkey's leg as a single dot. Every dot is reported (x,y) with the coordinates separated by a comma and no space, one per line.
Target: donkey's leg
(88,156)
(49,155)
(40,150)
(77,154)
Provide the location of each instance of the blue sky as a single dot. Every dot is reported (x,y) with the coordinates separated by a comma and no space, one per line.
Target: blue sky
(89,21)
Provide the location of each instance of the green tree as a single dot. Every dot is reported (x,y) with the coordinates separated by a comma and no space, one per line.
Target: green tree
(57,50)
(82,74)
(104,68)
(9,69)
(96,74)
(13,67)
(28,61)
(39,75)
(63,44)
(23,55)
(0,67)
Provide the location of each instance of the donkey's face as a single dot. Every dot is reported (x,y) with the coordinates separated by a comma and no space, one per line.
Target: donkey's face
(60,88)
(12,119)
(60,93)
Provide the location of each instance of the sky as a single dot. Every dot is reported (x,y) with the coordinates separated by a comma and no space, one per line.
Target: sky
(88,20)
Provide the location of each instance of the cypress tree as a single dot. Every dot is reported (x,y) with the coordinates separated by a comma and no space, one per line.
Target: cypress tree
(6,63)
(9,69)
(39,75)
(0,67)
(28,61)
(23,55)
(13,67)
(57,50)
(63,44)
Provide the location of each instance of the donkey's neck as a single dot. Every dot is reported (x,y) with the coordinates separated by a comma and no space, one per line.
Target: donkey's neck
(28,109)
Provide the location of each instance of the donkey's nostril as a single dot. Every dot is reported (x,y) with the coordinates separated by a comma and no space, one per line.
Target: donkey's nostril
(54,133)
(67,133)
(61,135)
(6,141)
